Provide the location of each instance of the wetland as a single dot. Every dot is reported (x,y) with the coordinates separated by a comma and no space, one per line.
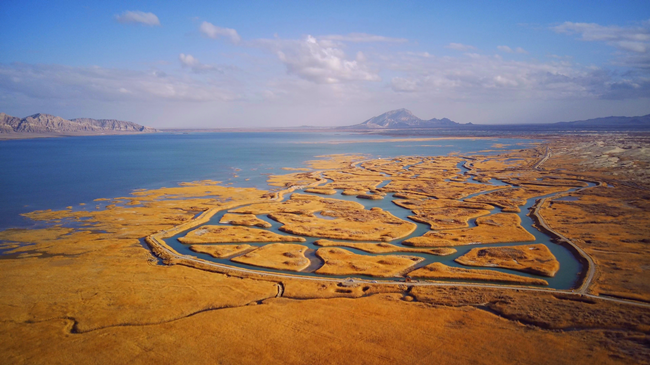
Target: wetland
(339,220)
(524,239)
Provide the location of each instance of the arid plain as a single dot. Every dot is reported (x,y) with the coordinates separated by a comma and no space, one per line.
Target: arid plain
(106,286)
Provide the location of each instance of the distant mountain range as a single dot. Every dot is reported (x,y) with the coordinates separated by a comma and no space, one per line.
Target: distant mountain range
(404,119)
(400,119)
(641,121)
(50,124)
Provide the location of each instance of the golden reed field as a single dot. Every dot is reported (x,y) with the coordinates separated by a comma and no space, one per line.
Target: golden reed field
(112,290)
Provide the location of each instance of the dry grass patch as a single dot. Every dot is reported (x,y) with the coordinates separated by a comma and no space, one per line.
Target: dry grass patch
(535,259)
(343,262)
(439,270)
(225,234)
(496,228)
(220,251)
(357,225)
(244,220)
(278,256)
(385,247)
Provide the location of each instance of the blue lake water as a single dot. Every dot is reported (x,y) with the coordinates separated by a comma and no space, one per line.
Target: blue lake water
(53,173)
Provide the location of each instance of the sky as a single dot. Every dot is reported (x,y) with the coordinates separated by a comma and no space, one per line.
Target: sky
(249,64)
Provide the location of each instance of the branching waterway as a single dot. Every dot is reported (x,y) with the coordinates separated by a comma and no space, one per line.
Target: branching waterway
(53,174)
(566,277)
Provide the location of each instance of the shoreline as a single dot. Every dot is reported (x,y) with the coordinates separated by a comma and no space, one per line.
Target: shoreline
(171,257)
(395,135)
(21,136)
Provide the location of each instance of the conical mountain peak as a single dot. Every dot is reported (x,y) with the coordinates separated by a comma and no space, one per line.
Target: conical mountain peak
(401,118)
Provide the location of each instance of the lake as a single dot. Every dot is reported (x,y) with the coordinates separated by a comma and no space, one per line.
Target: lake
(53,173)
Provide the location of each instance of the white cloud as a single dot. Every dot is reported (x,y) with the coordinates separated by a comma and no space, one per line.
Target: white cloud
(401,84)
(54,82)
(194,64)
(362,37)
(314,78)
(596,32)
(212,31)
(460,47)
(633,42)
(638,47)
(481,78)
(421,54)
(320,61)
(507,49)
(188,60)
(141,17)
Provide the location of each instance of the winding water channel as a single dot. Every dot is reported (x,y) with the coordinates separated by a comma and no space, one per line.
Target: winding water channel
(566,277)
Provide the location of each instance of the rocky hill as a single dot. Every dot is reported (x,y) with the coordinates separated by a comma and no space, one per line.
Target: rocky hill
(401,119)
(115,125)
(50,124)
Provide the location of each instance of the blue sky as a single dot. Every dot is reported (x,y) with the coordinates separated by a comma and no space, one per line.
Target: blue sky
(257,64)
